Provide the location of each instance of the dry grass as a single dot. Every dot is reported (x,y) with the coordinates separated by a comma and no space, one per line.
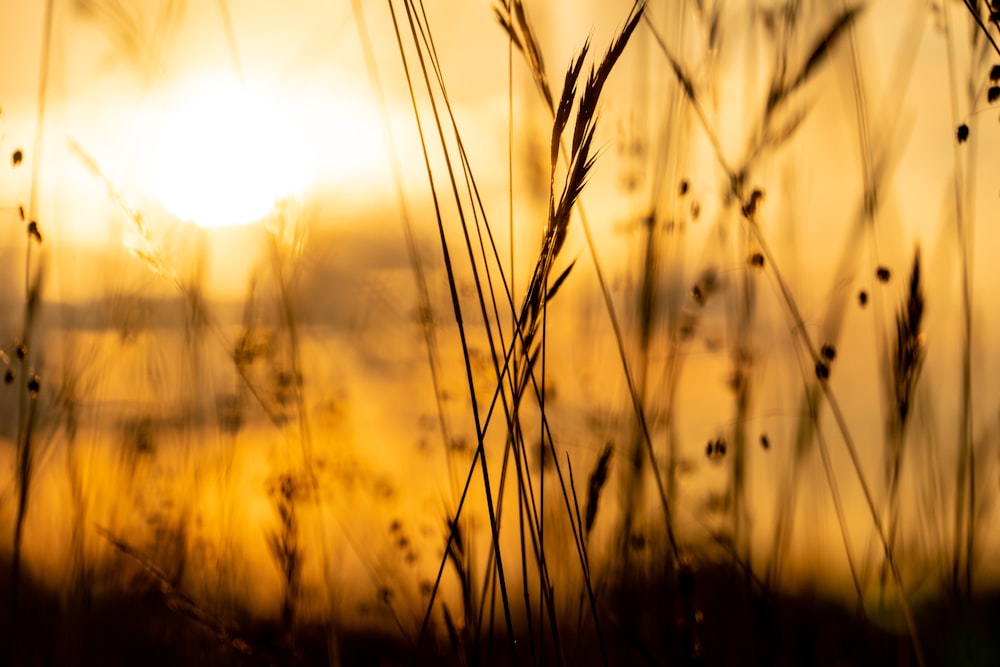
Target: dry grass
(257,486)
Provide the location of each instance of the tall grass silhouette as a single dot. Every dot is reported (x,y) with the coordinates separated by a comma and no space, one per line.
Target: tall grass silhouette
(698,416)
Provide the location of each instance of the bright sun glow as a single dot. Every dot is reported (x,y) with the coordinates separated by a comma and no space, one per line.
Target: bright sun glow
(225,156)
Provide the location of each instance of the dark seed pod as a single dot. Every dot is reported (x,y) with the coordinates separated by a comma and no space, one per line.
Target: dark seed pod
(863,298)
(764,442)
(756,260)
(33,231)
(995,73)
(698,295)
(34,386)
(8,376)
(828,352)
(16,157)
(822,370)
(683,188)
(750,208)
(21,351)
(716,448)
(993,94)
(883,274)
(963,133)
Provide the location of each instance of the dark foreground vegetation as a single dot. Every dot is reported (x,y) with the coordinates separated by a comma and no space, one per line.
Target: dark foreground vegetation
(711,617)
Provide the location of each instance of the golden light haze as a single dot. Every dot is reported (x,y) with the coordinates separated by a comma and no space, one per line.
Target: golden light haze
(225,156)
(119,89)
(247,310)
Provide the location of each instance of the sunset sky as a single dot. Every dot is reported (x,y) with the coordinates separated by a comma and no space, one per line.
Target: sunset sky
(125,77)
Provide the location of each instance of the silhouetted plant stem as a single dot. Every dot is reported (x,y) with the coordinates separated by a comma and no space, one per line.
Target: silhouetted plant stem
(965,500)
(32,294)
(737,189)
(457,309)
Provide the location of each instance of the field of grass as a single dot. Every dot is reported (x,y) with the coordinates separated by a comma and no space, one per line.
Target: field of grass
(682,356)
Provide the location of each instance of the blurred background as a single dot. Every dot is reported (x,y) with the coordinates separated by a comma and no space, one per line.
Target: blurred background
(238,263)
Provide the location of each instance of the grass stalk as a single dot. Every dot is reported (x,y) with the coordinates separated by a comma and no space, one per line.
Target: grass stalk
(583,132)
(457,310)
(736,180)
(32,294)
(965,488)
(638,12)
(28,389)
(907,363)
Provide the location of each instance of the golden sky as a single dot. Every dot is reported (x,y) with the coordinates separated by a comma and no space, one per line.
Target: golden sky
(121,74)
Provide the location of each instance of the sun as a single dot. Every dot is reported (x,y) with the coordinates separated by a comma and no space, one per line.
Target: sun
(226,154)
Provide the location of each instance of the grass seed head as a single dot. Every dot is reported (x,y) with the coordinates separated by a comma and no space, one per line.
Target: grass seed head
(705,286)
(910,348)
(698,295)
(716,449)
(598,477)
(33,232)
(750,208)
